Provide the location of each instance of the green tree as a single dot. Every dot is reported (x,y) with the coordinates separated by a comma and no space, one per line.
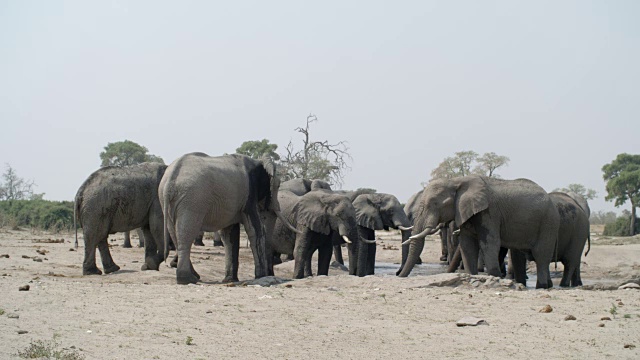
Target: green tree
(622,176)
(15,187)
(579,189)
(489,163)
(316,159)
(259,148)
(125,153)
(462,164)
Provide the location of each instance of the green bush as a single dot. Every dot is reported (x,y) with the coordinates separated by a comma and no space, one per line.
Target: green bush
(41,214)
(621,227)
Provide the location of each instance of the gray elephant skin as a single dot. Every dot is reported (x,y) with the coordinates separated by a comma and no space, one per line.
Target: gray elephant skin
(117,199)
(303,186)
(516,214)
(378,211)
(573,233)
(323,219)
(203,193)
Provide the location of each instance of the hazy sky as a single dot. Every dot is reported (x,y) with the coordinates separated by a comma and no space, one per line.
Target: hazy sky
(553,85)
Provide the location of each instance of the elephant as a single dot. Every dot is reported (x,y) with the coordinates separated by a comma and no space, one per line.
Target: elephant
(515,214)
(199,192)
(303,186)
(378,211)
(116,199)
(323,219)
(573,233)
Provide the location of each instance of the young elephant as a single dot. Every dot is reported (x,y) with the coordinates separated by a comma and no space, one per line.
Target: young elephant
(117,199)
(323,219)
(516,214)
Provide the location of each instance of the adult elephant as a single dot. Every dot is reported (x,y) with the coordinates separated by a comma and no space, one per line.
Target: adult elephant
(117,199)
(302,186)
(323,219)
(203,193)
(517,214)
(573,233)
(378,211)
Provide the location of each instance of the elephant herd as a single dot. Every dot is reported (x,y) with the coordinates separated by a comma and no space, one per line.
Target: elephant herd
(479,218)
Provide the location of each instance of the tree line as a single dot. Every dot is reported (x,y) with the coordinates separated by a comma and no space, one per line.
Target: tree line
(319,159)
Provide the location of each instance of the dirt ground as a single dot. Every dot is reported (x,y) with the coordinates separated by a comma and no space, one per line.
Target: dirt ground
(133,314)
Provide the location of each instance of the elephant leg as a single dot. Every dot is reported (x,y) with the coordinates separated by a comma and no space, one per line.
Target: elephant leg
(276,258)
(543,259)
(501,256)
(140,234)
(518,264)
(470,249)
(307,265)
(127,239)
(337,254)
(108,265)
(302,252)
(152,257)
(371,258)
(187,230)
(230,237)
(174,261)
(89,264)
(217,239)
(489,243)
(324,258)
(481,260)
(257,239)
(576,280)
(198,241)
(443,245)
(405,248)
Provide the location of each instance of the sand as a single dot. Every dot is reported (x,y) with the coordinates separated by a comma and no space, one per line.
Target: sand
(133,314)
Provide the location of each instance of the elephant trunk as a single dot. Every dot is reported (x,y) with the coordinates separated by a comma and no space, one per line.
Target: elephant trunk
(456,259)
(415,249)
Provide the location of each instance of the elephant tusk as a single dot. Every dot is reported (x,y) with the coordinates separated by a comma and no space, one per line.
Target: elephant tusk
(286,223)
(406,242)
(425,232)
(346,239)
(405,228)
(367,241)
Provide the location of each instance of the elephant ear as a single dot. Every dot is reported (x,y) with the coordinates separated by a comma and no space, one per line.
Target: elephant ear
(271,202)
(368,213)
(313,214)
(472,196)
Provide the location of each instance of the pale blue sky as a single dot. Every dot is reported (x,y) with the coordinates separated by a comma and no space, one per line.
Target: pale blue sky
(553,85)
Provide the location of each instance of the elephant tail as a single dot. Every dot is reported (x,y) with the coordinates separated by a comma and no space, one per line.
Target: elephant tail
(167,237)
(588,244)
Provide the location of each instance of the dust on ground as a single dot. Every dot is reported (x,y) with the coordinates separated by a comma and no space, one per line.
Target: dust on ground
(134,314)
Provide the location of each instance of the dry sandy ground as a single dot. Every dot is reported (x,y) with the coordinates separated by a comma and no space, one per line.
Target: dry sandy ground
(143,315)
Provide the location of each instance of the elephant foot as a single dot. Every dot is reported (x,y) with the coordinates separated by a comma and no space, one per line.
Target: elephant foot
(198,243)
(189,278)
(150,263)
(112,268)
(277,260)
(229,279)
(443,258)
(218,243)
(545,285)
(91,271)
(174,262)
(419,261)
(127,245)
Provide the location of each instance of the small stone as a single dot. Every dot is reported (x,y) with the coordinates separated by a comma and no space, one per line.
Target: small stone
(21,332)
(545,296)
(605,318)
(6,256)
(332,288)
(471,321)
(36,259)
(629,286)
(289,286)
(26,257)
(13,316)
(569,317)
(72,249)
(135,261)
(546,309)
(24,288)
(42,251)
(620,303)
(209,311)
(629,346)
(601,325)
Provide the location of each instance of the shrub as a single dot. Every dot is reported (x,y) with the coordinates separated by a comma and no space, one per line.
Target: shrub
(41,214)
(621,226)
